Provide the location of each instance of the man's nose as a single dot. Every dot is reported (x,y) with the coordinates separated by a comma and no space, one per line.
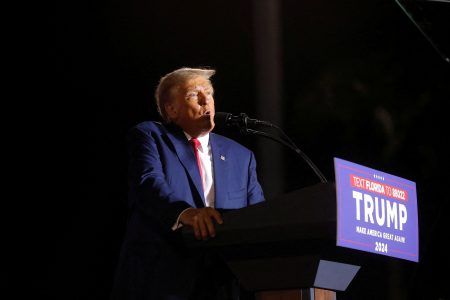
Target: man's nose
(203,98)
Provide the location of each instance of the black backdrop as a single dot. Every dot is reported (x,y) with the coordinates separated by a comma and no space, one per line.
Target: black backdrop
(360,82)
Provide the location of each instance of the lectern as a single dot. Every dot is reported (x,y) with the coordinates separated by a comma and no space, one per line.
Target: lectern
(285,248)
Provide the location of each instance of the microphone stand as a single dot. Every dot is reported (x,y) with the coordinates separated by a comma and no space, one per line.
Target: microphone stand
(290,144)
(416,16)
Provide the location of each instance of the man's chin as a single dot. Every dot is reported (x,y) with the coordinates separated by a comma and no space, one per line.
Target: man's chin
(208,125)
(208,120)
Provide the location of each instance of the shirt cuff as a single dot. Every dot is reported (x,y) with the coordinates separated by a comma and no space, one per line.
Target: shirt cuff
(178,224)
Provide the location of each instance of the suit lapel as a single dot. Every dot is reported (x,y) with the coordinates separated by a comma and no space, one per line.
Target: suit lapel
(187,158)
(220,167)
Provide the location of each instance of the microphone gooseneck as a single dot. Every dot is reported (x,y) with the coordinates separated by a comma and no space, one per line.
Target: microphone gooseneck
(242,122)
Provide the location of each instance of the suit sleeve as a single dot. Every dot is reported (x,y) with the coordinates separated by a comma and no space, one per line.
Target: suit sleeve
(152,195)
(254,191)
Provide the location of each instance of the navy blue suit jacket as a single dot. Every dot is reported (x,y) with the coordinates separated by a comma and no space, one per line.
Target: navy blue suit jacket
(163,181)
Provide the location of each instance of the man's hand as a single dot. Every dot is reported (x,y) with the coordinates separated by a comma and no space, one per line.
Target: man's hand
(201,220)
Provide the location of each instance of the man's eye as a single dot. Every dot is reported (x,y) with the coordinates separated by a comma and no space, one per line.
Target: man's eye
(191,95)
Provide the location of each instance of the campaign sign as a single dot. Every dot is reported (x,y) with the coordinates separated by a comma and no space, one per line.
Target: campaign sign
(376,212)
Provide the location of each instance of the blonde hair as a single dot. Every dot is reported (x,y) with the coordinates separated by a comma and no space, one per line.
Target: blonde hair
(170,81)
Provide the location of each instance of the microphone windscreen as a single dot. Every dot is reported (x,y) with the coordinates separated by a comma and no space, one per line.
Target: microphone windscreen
(221,119)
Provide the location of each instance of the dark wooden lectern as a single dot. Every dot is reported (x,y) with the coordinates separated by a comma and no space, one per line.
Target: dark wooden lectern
(285,248)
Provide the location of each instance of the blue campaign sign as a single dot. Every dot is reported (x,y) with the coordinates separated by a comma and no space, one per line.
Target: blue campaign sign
(376,211)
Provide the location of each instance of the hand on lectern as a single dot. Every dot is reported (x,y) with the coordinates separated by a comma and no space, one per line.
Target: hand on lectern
(202,221)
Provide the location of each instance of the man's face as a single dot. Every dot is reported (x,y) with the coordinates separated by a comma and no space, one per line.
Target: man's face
(193,107)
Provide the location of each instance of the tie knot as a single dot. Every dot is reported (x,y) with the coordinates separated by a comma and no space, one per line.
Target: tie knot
(195,142)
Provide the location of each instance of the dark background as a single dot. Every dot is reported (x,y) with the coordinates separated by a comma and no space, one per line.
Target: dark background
(360,82)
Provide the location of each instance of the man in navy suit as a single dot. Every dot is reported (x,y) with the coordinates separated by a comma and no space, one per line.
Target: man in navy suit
(181,174)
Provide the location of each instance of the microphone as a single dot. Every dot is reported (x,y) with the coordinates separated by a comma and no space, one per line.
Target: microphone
(242,121)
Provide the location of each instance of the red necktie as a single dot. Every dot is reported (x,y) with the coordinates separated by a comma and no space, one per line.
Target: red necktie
(195,143)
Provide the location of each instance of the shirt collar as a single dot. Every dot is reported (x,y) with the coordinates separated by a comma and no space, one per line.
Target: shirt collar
(204,140)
